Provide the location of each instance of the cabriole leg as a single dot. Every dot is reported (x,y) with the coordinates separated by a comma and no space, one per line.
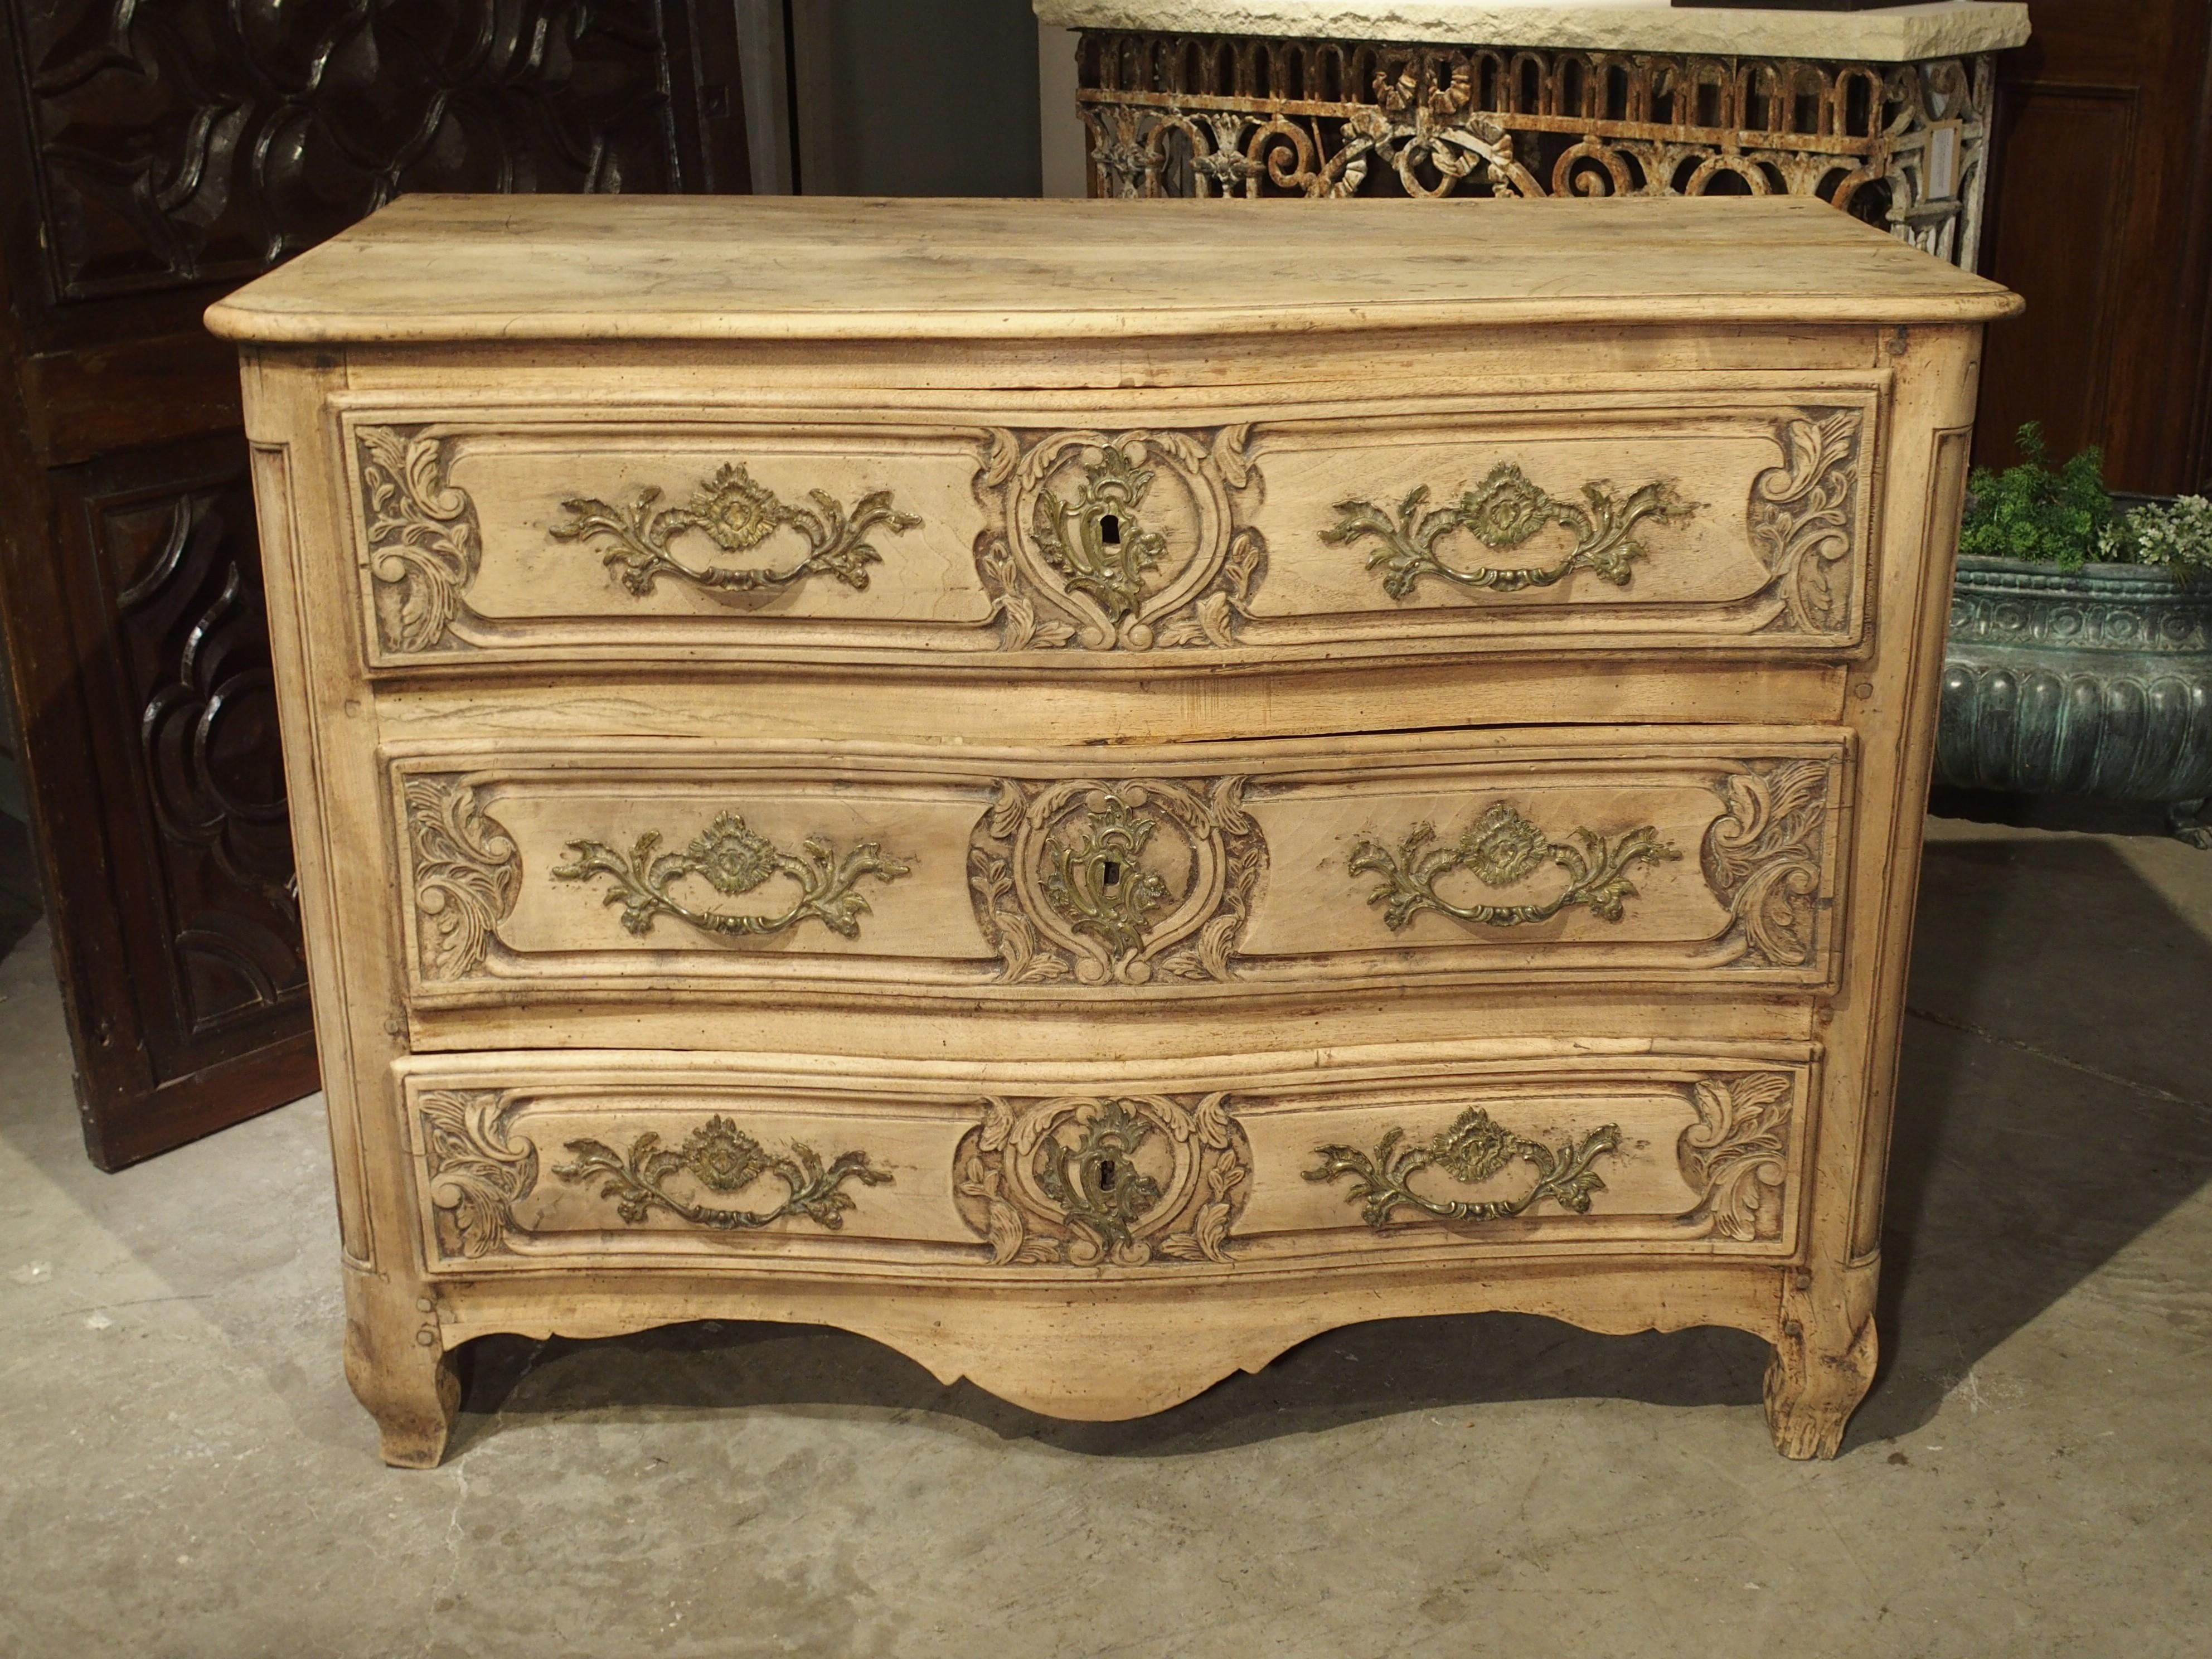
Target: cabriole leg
(400,1371)
(1825,1361)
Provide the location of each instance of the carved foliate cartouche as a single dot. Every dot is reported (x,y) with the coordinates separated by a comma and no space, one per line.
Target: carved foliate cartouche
(733,860)
(1086,1181)
(1067,879)
(1129,541)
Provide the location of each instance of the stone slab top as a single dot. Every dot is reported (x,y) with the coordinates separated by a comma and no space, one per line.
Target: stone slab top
(509,268)
(1892,35)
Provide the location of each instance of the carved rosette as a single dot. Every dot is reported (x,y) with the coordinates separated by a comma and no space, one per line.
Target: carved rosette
(476,1174)
(1737,1154)
(423,543)
(1084,1181)
(1801,520)
(1115,883)
(1128,541)
(1762,859)
(466,875)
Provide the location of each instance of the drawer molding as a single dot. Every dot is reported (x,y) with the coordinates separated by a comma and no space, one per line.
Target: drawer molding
(1763,858)
(1472,1149)
(737,515)
(1060,893)
(468,874)
(1504,512)
(723,1160)
(1502,849)
(1073,541)
(424,540)
(733,860)
(1799,520)
(1090,1181)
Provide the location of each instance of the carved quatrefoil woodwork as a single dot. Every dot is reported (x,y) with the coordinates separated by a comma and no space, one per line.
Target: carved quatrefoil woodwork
(1086,1181)
(1115,883)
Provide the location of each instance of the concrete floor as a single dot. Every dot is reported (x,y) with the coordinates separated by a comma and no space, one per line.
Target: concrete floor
(182,1471)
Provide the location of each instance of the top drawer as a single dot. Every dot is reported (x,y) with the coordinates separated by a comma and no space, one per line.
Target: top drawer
(1732,520)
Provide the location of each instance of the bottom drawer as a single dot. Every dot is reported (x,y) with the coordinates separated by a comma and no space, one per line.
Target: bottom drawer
(690,1162)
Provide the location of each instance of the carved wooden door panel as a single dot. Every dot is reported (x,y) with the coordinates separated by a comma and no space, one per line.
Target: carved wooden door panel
(151,158)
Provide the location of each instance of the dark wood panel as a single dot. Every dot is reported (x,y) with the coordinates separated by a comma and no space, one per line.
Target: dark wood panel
(151,156)
(2101,215)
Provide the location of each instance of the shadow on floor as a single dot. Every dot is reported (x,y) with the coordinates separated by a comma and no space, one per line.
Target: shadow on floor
(2016,1173)
(21,905)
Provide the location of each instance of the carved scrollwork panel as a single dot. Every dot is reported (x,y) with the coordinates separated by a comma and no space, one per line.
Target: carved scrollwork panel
(422,536)
(1115,882)
(1086,1181)
(477,1172)
(1763,858)
(1131,540)
(1801,521)
(466,875)
(1737,1154)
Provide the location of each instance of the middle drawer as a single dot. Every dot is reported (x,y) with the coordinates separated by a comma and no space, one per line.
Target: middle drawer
(1107,877)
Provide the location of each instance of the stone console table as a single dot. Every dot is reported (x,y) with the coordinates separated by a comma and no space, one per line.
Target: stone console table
(1885,113)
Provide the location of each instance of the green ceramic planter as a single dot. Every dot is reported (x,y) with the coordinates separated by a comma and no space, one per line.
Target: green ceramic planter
(2089,681)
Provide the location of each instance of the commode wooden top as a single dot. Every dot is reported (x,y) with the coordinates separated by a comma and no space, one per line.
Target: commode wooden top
(456,268)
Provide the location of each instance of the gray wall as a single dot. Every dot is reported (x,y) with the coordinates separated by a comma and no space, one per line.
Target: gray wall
(915,97)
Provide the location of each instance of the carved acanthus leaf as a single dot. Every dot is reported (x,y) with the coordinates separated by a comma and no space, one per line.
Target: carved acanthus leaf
(467,874)
(1762,859)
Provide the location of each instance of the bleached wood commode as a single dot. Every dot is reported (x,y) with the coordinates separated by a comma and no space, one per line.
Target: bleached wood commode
(1092,789)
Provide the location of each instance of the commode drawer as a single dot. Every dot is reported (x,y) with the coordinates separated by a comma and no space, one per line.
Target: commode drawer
(751,1163)
(1733,521)
(1119,878)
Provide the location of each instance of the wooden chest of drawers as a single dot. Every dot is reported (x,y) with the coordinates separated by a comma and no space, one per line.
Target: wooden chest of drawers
(1090,790)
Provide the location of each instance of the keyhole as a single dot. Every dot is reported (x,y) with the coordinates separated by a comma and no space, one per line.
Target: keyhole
(1109,530)
(1110,873)
(1106,1173)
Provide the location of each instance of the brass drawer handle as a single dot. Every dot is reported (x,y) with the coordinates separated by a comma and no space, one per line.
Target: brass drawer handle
(1502,513)
(1474,1148)
(733,860)
(737,515)
(1502,849)
(723,1158)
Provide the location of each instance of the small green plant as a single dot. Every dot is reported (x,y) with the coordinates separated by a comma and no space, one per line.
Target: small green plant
(2064,517)
(2176,536)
